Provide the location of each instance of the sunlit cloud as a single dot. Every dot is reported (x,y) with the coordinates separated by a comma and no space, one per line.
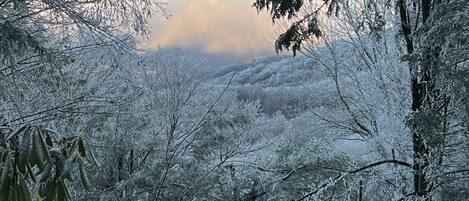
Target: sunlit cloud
(214,26)
(212,2)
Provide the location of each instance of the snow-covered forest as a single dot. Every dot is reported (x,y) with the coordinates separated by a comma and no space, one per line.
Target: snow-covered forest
(374,105)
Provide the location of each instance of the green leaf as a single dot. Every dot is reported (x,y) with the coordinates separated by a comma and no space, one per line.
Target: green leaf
(93,157)
(81,147)
(15,196)
(46,173)
(62,192)
(45,150)
(36,156)
(30,172)
(25,149)
(17,132)
(48,139)
(5,172)
(73,147)
(24,193)
(37,197)
(51,190)
(5,180)
(84,177)
(5,155)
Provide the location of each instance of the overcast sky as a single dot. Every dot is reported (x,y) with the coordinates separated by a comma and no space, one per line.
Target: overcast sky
(230,27)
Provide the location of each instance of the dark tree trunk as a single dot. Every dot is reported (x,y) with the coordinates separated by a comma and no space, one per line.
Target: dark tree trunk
(421,85)
(420,162)
(360,191)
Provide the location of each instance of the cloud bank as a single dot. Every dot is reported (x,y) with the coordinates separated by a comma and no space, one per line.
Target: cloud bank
(214,26)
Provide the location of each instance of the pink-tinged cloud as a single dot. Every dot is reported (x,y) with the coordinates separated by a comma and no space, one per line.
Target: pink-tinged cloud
(214,26)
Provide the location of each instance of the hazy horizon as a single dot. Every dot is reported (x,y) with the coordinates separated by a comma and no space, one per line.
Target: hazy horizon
(222,31)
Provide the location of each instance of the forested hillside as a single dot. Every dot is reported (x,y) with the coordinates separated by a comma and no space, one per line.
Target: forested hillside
(374,105)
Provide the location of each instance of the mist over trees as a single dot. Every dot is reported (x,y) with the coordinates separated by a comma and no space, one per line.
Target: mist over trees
(374,105)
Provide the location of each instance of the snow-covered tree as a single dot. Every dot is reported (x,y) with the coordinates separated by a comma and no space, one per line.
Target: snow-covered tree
(434,120)
(46,91)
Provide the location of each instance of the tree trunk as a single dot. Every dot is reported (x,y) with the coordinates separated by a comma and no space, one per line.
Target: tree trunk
(360,191)
(421,87)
